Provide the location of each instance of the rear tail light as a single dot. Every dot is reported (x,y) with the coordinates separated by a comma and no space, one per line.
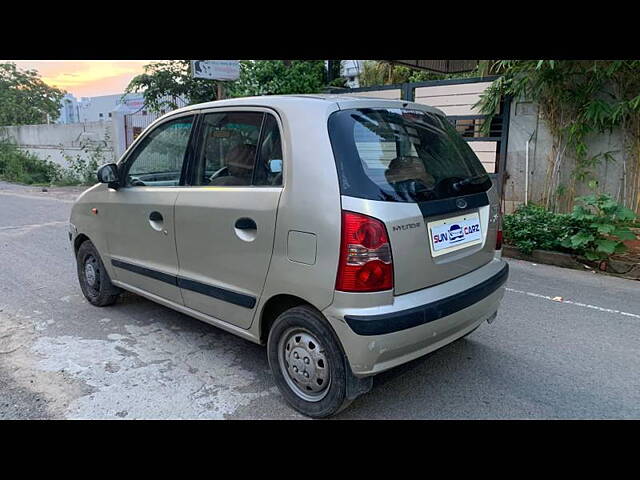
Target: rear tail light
(365,255)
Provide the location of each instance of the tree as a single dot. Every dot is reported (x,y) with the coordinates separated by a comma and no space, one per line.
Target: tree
(279,77)
(577,99)
(163,82)
(384,73)
(25,99)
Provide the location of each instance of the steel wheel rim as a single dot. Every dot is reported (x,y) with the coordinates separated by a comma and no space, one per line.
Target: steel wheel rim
(304,365)
(91,271)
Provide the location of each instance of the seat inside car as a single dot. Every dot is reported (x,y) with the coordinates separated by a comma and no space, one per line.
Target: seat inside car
(239,162)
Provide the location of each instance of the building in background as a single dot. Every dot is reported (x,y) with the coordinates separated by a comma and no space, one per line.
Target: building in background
(68,110)
(350,70)
(95,109)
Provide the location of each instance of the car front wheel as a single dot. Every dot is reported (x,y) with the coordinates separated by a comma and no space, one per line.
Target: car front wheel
(93,277)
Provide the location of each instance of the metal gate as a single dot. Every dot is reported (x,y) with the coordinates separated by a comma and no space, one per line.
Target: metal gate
(136,122)
(456,99)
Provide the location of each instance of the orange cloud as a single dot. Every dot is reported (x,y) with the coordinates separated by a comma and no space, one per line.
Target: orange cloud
(86,78)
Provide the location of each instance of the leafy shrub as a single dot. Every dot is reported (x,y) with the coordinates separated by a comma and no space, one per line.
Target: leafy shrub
(83,167)
(608,226)
(596,228)
(24,167)
(533,227)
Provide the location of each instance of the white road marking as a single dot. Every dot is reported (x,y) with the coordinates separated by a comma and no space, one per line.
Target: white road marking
(578,304)
(36,196)
(34,225)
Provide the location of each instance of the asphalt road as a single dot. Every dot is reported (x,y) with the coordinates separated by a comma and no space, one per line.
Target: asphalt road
(60,357)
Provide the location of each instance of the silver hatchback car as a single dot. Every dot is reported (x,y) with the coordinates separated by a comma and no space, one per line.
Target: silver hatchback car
(348,234)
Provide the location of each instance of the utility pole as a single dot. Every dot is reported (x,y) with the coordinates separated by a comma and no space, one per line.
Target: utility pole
(333,70)
(220,90)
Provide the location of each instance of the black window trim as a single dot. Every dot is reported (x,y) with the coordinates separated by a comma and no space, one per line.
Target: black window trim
(190,164)
(258,150)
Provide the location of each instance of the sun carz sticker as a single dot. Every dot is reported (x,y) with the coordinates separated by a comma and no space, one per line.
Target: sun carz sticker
(452,234)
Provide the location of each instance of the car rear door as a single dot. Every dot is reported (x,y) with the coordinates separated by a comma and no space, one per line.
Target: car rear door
(225,221)
(438,242)
(410,169)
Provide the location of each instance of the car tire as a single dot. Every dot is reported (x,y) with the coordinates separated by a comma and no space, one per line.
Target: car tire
(301,342)
(93,277)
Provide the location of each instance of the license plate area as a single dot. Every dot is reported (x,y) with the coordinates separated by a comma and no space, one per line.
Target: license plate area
(454,233)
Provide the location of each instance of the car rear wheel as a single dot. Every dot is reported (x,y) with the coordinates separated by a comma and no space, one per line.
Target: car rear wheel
(307,362)
(93,277)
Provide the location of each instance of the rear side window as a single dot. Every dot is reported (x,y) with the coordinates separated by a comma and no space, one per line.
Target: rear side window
(228,146)
(402,155)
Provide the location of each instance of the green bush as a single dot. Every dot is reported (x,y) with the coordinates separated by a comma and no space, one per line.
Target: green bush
(606,227)
(595,229)
(83,167)
(25,167)
(532,227)
(81,170)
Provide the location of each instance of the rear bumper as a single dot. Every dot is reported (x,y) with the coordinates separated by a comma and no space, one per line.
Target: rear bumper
(430,312)
(377,338)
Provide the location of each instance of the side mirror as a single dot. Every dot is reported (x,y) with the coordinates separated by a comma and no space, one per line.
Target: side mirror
(275,166)
(109,174)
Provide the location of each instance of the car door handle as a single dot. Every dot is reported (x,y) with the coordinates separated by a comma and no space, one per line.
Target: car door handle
(246,224)
(157,222)
(156,217)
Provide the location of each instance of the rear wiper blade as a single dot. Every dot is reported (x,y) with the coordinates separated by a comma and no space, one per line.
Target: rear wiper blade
(466,181)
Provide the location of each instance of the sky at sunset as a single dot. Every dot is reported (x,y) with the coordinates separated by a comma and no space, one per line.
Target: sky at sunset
(86,78)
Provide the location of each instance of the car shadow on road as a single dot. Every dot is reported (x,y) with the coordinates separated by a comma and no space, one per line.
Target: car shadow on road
(416,382)
(253,356)
(472,378)
(475,377)
(409,390)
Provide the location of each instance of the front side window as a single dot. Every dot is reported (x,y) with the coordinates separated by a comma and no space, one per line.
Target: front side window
(159,158)
(228,147)
(402,155)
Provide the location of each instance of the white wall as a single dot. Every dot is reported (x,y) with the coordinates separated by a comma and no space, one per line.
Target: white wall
(55,141)
(525,124)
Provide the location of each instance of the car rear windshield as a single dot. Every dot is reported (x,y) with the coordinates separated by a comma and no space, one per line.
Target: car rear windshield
(402,155)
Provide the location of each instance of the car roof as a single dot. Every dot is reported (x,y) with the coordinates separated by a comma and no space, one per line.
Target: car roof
(341,101)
